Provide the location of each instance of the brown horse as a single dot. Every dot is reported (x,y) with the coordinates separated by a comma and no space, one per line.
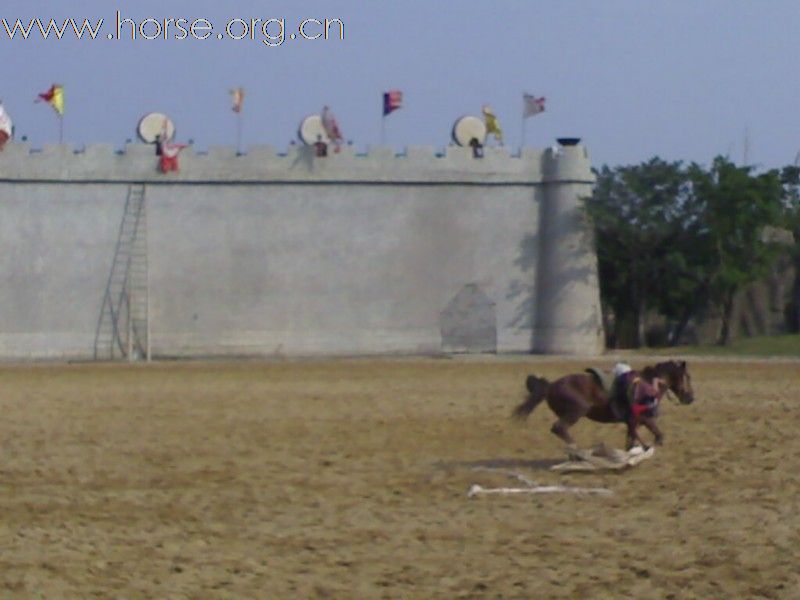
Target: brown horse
(582,395)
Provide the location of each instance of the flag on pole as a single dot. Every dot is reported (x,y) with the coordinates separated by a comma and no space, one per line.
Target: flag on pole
(392,100)
(331,127)
(492,124)
(237,96)
(531,105)
(55,98)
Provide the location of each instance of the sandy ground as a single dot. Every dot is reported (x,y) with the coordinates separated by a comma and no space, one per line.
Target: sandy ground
(348,479)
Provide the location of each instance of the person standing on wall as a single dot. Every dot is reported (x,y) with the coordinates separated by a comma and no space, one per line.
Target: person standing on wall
(320,148)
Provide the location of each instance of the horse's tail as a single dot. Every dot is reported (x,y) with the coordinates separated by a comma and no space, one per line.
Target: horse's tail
(537,390)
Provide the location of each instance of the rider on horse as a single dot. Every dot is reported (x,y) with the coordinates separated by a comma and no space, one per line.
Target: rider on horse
(633,400)
(633,397)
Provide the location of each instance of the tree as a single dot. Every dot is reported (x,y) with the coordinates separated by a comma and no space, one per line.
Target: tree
(735,207)
(646,232)
(790,178)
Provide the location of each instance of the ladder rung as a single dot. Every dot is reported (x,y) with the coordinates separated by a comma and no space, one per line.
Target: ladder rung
(125,306)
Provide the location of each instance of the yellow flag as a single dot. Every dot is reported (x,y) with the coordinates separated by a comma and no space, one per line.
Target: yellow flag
(237,96)
(58,100)
(55,97)
(492,124)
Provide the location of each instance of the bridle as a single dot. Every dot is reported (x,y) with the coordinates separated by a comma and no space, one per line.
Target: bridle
(672,396)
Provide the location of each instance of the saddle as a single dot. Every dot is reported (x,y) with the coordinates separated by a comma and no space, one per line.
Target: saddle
(605,379)
(618,403)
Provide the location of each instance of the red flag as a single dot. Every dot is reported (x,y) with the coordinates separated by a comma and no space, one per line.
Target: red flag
(392,100)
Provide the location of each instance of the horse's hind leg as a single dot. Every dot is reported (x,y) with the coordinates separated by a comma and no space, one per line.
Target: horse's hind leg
(561,429)
(569,414)
(569,408)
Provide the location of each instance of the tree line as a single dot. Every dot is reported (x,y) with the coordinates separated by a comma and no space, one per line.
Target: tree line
(675,238)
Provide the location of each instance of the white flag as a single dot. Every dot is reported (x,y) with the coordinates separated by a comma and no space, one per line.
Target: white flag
(331,125)
(531,105)
(5,122)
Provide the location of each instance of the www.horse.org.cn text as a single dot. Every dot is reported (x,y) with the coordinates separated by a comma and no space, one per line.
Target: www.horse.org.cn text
(271,32)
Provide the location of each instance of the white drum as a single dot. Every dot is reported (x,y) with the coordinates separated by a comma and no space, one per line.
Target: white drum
(311,130)
(468,128)
(153,125)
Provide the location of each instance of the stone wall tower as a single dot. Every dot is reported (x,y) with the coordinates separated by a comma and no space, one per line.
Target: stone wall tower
(567,317)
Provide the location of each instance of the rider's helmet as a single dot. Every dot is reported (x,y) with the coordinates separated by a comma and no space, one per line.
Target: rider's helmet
(621,368)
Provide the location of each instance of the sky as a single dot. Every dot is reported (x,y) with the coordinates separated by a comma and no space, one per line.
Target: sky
(680,79)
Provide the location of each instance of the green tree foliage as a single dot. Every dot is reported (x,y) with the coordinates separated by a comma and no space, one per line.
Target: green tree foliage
(644,218)
(736,205)
(673,239)
(790,178)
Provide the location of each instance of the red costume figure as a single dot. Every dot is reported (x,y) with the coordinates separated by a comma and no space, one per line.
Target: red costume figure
(169,157)
(6,127)
(168,152)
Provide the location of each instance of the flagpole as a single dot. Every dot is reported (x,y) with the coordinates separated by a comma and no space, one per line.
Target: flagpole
(522,126)
(239,133)
(60,129)
(383,119)
(237,95)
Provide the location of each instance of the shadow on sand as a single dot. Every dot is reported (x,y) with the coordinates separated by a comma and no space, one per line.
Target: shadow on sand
(543,464)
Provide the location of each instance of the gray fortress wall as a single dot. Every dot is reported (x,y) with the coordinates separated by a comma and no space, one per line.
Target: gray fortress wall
(267,254)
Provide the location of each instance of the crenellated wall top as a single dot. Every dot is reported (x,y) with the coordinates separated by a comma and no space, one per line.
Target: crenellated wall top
(264,164)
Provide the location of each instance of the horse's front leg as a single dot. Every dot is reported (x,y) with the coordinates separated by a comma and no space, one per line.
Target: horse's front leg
(633,436)
(650,423)
(630,438)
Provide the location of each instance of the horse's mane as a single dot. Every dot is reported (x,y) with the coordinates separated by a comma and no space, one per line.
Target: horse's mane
(650,372)
(668,368)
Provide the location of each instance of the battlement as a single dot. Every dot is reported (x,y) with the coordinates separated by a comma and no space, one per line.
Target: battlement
(264,164)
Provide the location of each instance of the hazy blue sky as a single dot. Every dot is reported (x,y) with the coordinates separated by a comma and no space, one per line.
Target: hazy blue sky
(679,78)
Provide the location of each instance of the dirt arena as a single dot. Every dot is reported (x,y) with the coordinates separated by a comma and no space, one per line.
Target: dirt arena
(348,479)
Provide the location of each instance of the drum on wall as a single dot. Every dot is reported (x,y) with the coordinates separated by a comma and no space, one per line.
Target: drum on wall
(152,125)
(467,129)
(311,131)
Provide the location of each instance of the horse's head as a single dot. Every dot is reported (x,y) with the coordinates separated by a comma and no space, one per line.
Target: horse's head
(676,376)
